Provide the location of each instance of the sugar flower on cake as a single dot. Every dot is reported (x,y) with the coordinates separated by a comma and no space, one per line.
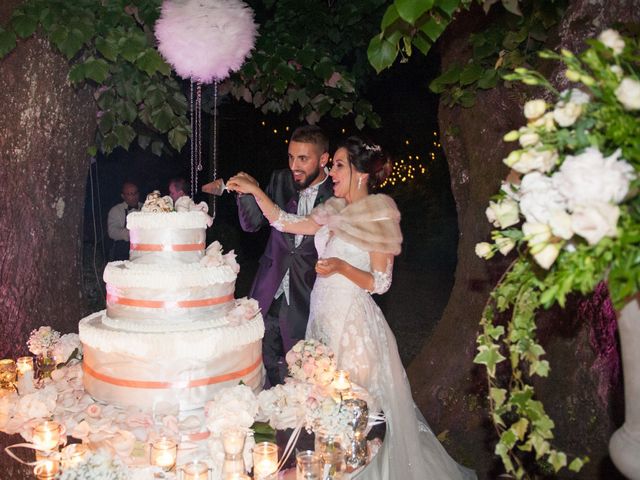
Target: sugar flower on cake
(244,310)
(213,255)
(186,204)
(42,340)
(230,260)
(311,361)
(155,203)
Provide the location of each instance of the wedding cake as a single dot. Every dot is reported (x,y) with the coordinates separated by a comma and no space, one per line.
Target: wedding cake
(172,332)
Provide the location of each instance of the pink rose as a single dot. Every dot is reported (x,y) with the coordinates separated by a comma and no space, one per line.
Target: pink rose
(94,410)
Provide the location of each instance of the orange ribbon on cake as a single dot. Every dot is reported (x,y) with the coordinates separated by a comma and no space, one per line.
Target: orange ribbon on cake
(134,302)
(201,382)
(159,247)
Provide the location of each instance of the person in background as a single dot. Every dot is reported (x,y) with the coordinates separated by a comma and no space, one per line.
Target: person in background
(178,187)
(117,221)
(286,271)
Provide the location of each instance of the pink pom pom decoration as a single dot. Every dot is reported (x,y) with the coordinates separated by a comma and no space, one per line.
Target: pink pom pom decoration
(205,40)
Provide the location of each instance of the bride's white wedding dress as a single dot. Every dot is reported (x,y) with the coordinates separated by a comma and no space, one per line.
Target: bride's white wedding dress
(346,318)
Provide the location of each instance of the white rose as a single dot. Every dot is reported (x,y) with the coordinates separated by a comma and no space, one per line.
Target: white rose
(534,159)
(612,39)
(595,221)
(503,214)
(534,109)
(539,198)
(537,235)
(617,71)
(547,255)
(183,204)
(528,137)
(566,114)
(628,93)
(575,95)
(560,223)
(505,245)
(483,250)
(546,121)
(590,178)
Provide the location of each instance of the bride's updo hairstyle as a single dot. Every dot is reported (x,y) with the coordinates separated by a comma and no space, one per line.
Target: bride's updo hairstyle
(367,157)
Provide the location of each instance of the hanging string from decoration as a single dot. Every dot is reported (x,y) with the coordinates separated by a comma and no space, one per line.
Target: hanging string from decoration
(214,175)
(186,31)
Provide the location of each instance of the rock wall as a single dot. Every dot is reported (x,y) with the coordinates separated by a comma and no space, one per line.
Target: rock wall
(449,388)
(45,128)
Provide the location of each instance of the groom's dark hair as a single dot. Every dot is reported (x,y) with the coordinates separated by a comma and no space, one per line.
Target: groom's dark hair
(311,134)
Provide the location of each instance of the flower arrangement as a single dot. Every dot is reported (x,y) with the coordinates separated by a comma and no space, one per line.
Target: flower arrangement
(97,466)
(573,185)
(48,343)
(311,361)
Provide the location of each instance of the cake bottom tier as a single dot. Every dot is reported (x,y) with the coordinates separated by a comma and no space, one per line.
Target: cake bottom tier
(122,379)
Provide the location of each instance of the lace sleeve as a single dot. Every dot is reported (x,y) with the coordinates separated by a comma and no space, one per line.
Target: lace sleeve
(283,219)
(382,280)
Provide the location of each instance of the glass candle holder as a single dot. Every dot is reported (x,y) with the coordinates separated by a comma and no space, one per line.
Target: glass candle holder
(7,373)
(265,460)
(308,465)
(163,454)
(329,448)
(46,364)
(47,467)
(233,442)
(25,370)
(47,435)
(194,471)
(74,454)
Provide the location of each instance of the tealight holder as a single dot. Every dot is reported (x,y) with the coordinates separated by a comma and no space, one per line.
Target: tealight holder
(329,448)
(47,465)
(308,465)
(194,471)
(48,435)
(72,455)
(26,373)
(233,443)
(7,374)
(265,460)
(163,453)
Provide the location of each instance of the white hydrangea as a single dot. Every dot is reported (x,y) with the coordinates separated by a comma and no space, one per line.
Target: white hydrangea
(612,39)
(539,199)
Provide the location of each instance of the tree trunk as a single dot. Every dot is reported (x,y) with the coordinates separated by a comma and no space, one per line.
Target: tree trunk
(450,389)
(45,128)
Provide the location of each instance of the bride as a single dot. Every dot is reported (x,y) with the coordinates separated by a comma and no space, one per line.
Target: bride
(357,235)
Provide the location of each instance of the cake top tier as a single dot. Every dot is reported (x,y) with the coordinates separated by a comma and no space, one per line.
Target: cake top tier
(160,212)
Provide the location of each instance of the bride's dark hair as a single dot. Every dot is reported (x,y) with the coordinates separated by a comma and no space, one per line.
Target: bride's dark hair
(367,157)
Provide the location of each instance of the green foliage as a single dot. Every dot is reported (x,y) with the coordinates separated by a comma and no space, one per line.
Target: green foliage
(511,41)
(574,262)
(309,58)
(110,46)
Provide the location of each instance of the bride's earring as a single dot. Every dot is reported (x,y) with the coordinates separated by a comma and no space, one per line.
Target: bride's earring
(359,183)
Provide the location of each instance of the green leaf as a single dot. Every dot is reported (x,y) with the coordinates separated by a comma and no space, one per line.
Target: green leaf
(7,42)
(24,25)
(520,428)
(489,79)
(381,53)
(498,395)
(411,10)
(156,148)
(132,46)
(151,62)
(512,6)
(489,356)
(557,460)
(96,69)
(107,48)
(448,6)
(576,465)
(471,73)
(72,44)
(92,151)
(125,135)
(422,43)
(178,137)
(390,17)
(359,121)
(162,118)
(77,73)
(433,28)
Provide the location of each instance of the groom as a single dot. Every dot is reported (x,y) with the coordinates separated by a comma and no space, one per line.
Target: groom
(286,271)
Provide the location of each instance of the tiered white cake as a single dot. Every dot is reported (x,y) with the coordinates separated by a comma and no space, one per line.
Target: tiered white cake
(172,332)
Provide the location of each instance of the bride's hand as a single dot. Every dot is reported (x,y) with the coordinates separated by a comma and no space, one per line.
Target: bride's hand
(243,183)
(329,266)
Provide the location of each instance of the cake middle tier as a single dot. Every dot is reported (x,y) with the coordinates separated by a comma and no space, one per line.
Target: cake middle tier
(155,298)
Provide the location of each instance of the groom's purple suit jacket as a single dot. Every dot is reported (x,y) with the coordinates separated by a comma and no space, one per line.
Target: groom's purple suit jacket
(281,254)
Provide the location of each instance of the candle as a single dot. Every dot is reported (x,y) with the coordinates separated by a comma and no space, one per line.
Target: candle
(265,459)
(24,366)
(308,466)
(74,454)
(46,435)
(47,468)
(195,471)
(233,441)
(7,373)
(163,453)
(341,385)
